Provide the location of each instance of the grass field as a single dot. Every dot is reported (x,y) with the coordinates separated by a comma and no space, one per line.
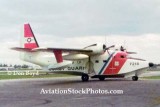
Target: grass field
(152,77)
(35,74)
(26,74)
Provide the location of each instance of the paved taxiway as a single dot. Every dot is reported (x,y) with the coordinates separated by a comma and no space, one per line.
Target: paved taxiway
(26,93)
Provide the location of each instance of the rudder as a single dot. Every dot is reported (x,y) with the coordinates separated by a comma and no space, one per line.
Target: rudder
(29,41)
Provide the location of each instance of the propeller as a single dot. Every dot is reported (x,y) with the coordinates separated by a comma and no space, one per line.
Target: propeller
(107,48)
(132,52)
(123,49)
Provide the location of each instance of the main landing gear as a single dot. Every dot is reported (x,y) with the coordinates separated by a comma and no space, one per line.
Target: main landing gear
(101,78)
(85,77)
(135,78)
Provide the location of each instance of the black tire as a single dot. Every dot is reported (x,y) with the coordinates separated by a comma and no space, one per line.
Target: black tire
(101,78)
(135,78)
(85,77)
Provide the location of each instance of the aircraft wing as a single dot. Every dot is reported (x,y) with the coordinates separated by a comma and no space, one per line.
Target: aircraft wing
(63,50)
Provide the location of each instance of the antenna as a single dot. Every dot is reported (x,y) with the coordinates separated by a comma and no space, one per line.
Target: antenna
(105,41)
(124,43)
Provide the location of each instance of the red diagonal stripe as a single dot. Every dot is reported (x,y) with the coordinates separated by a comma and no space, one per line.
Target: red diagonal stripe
(58,55)
(111,68)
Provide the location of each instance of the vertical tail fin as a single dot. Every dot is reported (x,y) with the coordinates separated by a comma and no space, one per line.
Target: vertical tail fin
(28,40)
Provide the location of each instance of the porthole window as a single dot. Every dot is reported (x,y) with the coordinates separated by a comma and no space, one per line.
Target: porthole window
(78,62)
(122,56)
(104,61)
(96,61)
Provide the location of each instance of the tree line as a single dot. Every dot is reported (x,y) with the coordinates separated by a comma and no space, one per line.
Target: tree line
(15,66)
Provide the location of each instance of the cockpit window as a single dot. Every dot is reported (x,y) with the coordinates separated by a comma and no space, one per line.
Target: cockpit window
(122,56)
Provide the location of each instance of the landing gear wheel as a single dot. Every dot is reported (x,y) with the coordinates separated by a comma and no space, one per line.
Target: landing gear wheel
(85,77)
(101,78)
(135,78)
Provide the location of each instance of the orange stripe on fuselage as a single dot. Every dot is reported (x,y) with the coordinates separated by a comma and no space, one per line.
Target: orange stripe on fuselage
(116,64)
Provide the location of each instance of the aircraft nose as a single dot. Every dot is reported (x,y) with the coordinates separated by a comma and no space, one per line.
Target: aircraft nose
(151,64)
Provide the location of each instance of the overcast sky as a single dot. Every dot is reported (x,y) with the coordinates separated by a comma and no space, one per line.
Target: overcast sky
(78,23)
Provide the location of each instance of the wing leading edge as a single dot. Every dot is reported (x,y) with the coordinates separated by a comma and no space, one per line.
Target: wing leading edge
(64,50)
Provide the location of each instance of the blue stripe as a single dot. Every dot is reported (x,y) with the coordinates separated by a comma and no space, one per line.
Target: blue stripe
(105,63)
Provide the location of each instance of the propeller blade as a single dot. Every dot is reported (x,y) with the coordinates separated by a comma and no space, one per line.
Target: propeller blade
(107,48)
(132,52)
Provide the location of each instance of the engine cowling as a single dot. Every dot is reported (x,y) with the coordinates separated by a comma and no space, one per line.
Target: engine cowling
(96,48)
(60,65)
(75,56)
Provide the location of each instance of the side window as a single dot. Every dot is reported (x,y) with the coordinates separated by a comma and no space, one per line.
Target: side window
(104,61)
(78,62)
(122,56)
(96,61)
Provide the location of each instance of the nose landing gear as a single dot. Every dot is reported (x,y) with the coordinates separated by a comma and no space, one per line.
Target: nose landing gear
(135,78)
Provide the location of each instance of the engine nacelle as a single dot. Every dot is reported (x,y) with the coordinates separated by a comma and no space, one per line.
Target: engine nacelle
(60,65)
(75,57)
(96,48)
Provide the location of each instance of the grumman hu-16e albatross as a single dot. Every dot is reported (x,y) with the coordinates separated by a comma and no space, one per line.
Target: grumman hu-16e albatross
(95,61)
